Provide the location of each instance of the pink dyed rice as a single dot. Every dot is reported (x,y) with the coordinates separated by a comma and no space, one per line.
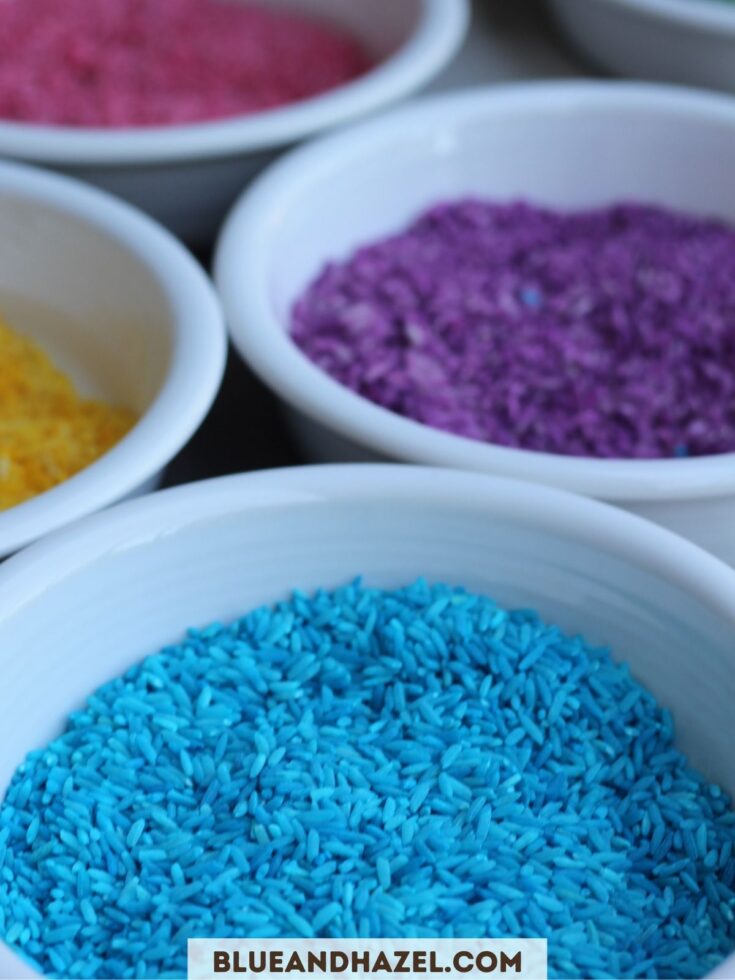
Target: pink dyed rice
(120,63)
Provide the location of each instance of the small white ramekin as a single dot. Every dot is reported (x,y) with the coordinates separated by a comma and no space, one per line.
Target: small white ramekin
(691,42)
(187,176)
(78,609)
(123,308)
(566,144)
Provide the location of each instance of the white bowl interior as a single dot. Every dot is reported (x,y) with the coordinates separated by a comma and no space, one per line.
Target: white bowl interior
(89,301)
(568,147)
(565,145)
(125,310)
(382,26)
(188,175)
(409,42)
(670,40)
(79,610)
(124,587)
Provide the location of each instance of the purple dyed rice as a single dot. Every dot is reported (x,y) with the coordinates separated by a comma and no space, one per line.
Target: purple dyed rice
(606,333)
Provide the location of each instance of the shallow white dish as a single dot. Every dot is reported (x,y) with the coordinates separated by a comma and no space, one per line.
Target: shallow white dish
(566,144)
(187,176)
(125,310)
(686,41)
(130,580)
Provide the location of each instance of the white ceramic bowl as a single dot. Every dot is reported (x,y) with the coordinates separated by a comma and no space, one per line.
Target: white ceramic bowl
(126,582)
(686,41)
(125,310)
(568,144)
(187,176)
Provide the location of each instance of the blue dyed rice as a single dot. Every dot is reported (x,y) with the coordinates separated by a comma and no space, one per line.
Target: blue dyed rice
(410,763)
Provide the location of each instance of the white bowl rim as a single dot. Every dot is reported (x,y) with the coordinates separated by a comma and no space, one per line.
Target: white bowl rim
(713,15)
(267,348)
(438,34)
(193,378)
(25,577)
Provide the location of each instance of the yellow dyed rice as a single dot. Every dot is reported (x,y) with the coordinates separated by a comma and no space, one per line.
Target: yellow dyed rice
(47,431)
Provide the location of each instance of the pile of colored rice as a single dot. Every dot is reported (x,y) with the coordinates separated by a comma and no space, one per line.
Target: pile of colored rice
(603,333)
(411,763)
(47,431)
(160,62)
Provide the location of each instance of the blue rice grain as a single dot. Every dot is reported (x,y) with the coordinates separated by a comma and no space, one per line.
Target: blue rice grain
(362,762)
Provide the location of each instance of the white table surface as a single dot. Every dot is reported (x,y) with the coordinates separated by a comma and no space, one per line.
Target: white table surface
(510,40)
